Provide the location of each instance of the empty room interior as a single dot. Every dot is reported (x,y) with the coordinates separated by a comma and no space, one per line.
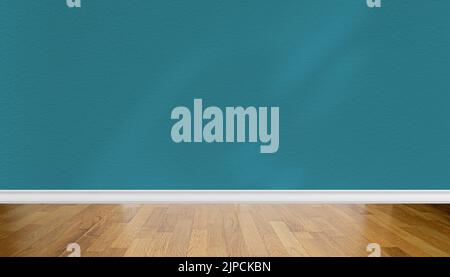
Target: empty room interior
(201,132)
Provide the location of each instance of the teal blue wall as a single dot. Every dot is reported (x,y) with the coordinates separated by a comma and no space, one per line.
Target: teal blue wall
(86,94)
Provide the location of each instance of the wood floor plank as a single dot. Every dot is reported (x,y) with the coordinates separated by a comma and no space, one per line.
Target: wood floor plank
(290,242)
(270,238)
(130,231)
(32,238)
(159,247)
(236,244)
(105,240)
(251,235)
(225,230)
(216,245)
(178,245)
(198,243)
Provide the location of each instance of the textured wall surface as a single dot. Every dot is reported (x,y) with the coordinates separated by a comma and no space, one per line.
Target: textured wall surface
(86,94)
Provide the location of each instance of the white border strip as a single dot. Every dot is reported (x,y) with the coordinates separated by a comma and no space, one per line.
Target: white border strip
(223,196)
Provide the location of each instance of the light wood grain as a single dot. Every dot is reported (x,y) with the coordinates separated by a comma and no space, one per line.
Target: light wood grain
(224,230)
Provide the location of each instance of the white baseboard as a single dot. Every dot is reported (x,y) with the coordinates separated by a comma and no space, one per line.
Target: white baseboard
(223,196)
